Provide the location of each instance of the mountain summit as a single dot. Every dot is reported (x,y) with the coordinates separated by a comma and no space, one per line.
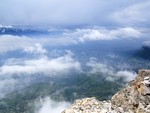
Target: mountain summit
(134,98)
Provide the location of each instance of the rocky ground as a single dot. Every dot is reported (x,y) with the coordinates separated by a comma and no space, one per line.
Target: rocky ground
(134,98)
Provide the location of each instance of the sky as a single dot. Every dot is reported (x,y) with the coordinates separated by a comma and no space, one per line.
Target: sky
(75,12)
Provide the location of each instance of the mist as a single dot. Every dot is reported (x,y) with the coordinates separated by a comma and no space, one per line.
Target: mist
(47,105)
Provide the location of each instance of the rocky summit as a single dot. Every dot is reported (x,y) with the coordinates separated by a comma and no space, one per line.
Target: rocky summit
(134,98)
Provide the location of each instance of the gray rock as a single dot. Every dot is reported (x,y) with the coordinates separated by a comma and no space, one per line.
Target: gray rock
(134,98)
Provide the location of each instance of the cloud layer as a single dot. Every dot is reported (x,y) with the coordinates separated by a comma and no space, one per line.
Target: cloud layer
(84,35)
(39,58)
(77,12)
(32,45)
(19,73)
(44,65)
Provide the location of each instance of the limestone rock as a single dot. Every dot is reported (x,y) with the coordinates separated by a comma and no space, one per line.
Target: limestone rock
(89,105)
(134,98)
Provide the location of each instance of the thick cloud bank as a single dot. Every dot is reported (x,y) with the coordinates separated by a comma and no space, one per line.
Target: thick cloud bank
(46,66)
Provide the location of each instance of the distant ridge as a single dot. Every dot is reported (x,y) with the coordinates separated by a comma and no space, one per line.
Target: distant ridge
(144,52)
(9,30)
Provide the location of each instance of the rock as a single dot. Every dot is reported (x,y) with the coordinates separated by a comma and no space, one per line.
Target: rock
(134,98)
(89,105)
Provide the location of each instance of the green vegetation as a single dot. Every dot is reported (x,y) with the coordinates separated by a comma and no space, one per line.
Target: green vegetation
(67,88)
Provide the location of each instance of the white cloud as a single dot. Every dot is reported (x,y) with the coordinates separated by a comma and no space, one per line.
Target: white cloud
(31,45)
(47,105)
(34,46)
(36,49)
(127,75)
(5,26)
(108,72)
(82,35)
(96,67)
(126,32)
(10,43)
(44,65)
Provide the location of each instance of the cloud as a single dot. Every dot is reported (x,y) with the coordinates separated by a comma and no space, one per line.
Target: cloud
(127,75)
(126,32)
(82,35)
(34,46)
(21,72)
(6,26)
(56,12)
(44,65)
(47,105)
(135,14)
(36,49)
(12,43)
(108,72)
(96,67)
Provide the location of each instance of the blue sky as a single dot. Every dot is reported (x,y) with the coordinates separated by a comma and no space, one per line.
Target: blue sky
(75,12)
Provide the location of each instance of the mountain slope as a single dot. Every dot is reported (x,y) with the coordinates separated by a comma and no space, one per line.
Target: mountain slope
(143,53)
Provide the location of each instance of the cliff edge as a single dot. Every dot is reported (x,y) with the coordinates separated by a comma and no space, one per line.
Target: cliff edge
(134,98)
